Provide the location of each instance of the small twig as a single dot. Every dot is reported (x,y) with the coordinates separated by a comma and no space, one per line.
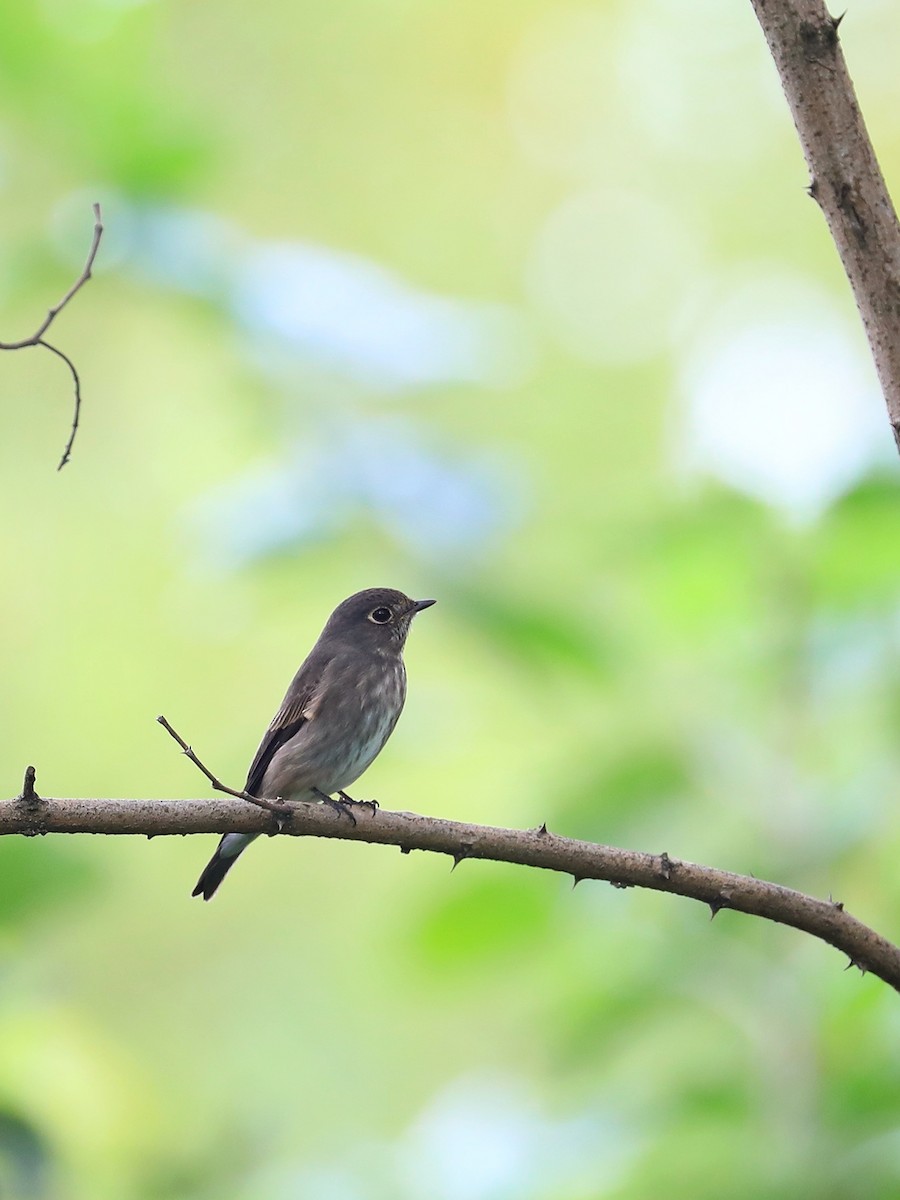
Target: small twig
(269,805)
(67,451)
(29,795)
(79,283)
(37,338)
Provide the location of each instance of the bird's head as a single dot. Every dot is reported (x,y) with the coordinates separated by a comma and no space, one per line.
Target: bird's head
(378,617)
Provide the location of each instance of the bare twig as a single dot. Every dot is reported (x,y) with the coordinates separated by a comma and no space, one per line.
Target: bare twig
(845,178)
(28,794)
(823,919)
(67,450)
(37,338)
(79,283)
(269,805)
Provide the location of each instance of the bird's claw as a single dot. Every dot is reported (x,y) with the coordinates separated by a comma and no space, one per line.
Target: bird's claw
(339,806)
(372,804)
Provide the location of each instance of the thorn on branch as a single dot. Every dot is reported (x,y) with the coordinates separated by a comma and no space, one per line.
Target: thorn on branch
(860,966)
(279,820)
(817,37)
(541,829)
(37,338)
(838,904)
(836,21)
(464,851)
(718,903)
(405,849)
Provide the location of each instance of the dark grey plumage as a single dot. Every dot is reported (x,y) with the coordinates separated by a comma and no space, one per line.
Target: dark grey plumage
(337,714)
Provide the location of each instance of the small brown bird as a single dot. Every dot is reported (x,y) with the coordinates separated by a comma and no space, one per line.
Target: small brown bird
(336,716)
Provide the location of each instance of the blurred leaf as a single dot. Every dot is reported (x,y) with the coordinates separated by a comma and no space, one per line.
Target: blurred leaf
(37,874)
(700,568)
(586,1019)
(537,637)
(25,1159)
(150,151)
(859,1040)
(856,561)
(611,796)
(486,921)
(705,1157)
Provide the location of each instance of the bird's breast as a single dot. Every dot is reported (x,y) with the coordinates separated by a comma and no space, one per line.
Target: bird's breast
(380,700)
(357,714)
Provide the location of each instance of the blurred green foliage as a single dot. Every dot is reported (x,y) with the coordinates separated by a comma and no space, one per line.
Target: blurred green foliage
(520,306)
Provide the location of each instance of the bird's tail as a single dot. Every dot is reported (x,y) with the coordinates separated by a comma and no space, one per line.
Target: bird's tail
(226,855)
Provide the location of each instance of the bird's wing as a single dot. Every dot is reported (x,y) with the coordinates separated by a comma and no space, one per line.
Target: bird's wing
(297,709)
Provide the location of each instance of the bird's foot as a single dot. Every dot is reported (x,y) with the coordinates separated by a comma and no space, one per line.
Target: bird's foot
(373,804)
(340,806)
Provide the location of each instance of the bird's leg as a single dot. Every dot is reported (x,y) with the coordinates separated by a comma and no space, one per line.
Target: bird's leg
(339,806)
(373,804)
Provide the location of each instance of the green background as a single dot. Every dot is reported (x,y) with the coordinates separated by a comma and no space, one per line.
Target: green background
(518,305)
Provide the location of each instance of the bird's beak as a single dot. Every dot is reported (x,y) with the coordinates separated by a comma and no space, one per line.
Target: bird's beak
(418,605)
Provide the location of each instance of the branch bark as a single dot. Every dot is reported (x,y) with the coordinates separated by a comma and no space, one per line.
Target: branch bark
(845,178)
(31,815)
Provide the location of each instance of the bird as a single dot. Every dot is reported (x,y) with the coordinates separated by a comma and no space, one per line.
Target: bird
(337,714)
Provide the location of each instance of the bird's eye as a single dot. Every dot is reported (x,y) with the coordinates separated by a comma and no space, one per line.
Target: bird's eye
(380,616)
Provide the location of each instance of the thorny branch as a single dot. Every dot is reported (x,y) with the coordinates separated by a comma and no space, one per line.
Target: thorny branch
(827,920)
(38,339)
(845,178)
